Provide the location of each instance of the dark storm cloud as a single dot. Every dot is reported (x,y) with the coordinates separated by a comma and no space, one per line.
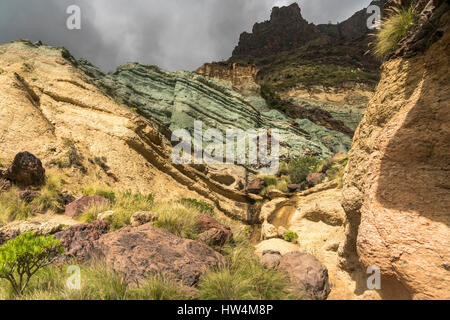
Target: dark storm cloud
(173,34)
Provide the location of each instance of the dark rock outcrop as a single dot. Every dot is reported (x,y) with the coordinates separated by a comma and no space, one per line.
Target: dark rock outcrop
(256,186)
(26,170)
(307,274)
(78,240)
(78,206)
(28,195)
(138,252)
(212,232)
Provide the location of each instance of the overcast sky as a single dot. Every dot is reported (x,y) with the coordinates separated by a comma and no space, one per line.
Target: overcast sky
(173,34)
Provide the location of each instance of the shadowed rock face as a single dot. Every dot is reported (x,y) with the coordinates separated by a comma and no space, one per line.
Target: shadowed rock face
(396,186)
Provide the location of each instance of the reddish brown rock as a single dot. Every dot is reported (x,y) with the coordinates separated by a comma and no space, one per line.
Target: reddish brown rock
(307,274)
(77,207)
(256,186)
(314,179)
(78,240)
(212,232)
(138,252)
(271,259)
(26,170)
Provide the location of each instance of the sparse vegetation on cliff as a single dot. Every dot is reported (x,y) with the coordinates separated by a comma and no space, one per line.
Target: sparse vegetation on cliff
(394,29)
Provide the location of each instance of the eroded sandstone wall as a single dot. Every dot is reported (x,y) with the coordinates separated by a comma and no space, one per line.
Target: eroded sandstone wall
(397,183)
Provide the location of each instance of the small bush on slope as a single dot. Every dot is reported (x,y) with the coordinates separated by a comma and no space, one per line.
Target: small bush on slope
(202,206)
(394,29)
(98,282)
(177,218)
(23,256)
(244,278)
(300,169)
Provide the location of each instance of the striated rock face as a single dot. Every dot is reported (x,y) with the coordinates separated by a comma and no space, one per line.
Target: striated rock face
(178,99)
(396,185)
(137,252)
(51,108)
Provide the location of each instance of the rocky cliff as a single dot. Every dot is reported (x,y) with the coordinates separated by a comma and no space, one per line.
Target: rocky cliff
(50,107)
(178,99)
(396,186)
(315,68)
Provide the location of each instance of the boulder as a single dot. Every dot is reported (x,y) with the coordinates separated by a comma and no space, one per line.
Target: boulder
(307,274)
(138,252)
(78,240)
(104,216)
(314,178)
(256,186)
(28,195)
(26,170)
(77,207)
(268,231)
(294,187)
(212,232)
(39,228)
(143,217)
(271,259)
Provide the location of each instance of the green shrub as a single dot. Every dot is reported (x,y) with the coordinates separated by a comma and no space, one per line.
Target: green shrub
(124,205)
(202,206)
(177,218)
(97,190)
(300,169)
(98,282)
(291,236)
(12,208)
(50,195)
(23,256)
(270,180)
(283,169)
(394,29)
(158,287)
(244,278)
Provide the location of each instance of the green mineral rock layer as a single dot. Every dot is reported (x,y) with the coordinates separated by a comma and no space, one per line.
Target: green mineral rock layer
(177,99)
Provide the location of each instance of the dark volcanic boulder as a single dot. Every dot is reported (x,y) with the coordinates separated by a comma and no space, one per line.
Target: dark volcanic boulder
(26,170)
(138,252)
(307,274)
(294,187)
(78,240)
(212,232)
(77,207)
